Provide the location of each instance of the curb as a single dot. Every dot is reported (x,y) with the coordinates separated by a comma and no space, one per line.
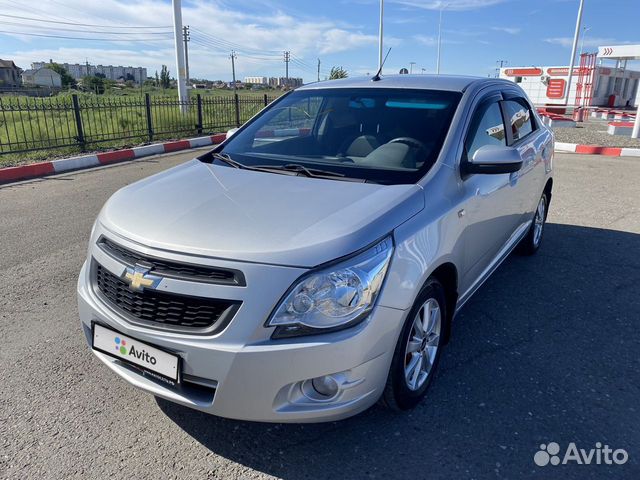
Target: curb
(597,150)
(42,169)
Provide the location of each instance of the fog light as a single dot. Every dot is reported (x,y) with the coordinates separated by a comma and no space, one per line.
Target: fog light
(325,385)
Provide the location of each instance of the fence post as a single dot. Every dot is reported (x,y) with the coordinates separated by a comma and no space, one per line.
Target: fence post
(237,102)
(199,126)
(266,101)
(76,112)
(147,105)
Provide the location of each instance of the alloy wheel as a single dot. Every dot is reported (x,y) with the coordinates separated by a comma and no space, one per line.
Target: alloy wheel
(422,345)
(538,220)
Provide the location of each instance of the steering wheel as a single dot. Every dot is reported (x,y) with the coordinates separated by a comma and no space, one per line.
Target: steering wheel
(412,142)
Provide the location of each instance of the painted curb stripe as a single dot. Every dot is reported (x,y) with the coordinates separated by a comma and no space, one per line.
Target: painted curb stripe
(10,174)
(565,147)
(595,149)
(199,142)
(630,152)
(75,163)
(117,156)
(175,146)
(147,150)
(218,138)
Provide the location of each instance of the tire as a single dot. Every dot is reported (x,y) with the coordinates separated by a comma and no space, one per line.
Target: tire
(401,392)
(533,239)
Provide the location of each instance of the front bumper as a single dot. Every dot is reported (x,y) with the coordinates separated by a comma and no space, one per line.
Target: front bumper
(257,378)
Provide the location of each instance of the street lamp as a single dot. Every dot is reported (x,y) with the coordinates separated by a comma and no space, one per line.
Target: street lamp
(573,50)
(585,29)
(442,7)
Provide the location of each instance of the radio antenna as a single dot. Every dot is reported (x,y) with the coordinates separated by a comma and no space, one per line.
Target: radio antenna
(376,77)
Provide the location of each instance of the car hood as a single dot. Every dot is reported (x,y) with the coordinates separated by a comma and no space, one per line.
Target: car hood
(223,212)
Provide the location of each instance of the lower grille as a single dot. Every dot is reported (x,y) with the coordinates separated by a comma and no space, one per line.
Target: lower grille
(163,310)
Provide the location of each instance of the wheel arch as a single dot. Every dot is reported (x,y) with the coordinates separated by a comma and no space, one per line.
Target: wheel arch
(447,274)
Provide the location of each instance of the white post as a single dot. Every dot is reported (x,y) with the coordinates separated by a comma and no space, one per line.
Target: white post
(439,40)
(573,50)
(380,35)
(180,66)
(635,133)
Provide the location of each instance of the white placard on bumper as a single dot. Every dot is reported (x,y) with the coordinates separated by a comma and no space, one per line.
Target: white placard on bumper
(136,352)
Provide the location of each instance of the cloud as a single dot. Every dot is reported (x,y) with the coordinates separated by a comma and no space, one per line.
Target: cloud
(509,30)
(432,41)
(567,42)
(259,33)
(457,5)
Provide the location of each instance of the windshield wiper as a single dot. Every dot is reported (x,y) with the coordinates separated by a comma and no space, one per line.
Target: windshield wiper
(224,157)
(308,172)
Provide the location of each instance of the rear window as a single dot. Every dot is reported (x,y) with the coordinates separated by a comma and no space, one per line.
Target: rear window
(382,135)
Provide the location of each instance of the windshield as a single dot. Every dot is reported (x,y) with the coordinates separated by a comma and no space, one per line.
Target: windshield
(388,136)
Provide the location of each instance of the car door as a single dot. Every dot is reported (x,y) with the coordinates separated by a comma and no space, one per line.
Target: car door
(491,205)
(525,135)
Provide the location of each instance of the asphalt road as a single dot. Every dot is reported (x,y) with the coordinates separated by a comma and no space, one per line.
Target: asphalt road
(546,351)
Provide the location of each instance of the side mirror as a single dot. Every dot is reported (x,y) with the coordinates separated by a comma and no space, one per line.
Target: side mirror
(231,132)
(494,159)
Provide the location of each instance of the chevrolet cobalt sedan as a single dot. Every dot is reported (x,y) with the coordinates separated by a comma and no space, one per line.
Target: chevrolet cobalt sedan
(312,264)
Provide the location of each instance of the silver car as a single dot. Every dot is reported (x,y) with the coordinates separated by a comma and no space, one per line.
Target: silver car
(312,264)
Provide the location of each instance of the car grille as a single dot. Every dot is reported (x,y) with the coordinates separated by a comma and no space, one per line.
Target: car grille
(167,268)
(163,310)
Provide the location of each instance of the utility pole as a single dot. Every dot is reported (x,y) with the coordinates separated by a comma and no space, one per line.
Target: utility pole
(503,63)
(318,69)
(287,57)
(233,57)
(177,33)
(380,35)
(411,64)
(573,50)
(185,34)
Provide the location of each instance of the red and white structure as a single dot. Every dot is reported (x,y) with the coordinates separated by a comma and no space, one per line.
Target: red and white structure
(605,85)
(592,85)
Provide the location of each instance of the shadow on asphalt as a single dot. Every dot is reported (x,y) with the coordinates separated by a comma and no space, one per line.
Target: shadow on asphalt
(545,351)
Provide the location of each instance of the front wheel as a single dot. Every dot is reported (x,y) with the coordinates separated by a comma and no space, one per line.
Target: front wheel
(532,240)
(418,349)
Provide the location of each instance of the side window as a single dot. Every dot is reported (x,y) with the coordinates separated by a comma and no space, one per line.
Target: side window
(486,128)
(519,115)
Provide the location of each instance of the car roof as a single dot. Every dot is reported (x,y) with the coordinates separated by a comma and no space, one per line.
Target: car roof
(452,83)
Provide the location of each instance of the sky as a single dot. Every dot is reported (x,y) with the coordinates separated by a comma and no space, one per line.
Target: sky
(475,34)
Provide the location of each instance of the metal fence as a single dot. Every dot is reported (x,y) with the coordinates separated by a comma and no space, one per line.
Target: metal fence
(31,124)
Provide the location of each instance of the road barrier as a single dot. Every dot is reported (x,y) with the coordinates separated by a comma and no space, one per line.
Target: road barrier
(80,123)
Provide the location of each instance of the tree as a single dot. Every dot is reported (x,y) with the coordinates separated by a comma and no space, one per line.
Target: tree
(67,80)
(337,72)
(157,79)
(165,79)
(94,84)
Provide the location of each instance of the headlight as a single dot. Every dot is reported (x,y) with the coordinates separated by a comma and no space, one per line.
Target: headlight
(335,297)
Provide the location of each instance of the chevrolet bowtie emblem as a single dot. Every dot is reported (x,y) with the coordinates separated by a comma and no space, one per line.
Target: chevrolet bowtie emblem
(138,278)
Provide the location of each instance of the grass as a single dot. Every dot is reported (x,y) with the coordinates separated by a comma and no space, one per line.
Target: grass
(34,129)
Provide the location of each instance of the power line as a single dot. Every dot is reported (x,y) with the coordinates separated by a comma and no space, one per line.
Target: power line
(80,24)
(232,45)
(221,47)
(86,38)
(80,31)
